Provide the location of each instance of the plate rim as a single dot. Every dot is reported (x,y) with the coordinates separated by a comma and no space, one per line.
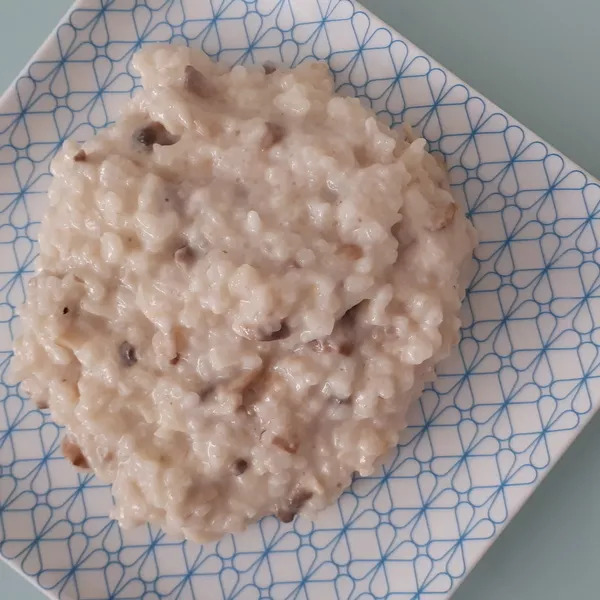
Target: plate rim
(491,108)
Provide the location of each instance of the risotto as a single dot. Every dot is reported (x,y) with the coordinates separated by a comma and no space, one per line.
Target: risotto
(242,286)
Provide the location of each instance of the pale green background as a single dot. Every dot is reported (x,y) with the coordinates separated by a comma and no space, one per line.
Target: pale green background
(537,59)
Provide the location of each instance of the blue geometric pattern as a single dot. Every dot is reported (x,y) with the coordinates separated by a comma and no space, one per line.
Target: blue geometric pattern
(504,408)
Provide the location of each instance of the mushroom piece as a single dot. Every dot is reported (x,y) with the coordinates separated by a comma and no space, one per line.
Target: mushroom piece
(197,83)
(239,466)
(184,256)
(269,68)
(127,354)
(442,217)
(72,452)
(285,445)
(266,381)
(207,392)
(154,133)
(296,501)
(346,348)
(274,134)
(81,156)
(259,334)
(342,340)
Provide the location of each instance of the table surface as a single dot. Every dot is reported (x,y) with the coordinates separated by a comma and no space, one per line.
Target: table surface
(538,61)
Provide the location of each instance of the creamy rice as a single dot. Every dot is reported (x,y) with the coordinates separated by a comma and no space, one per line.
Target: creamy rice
(242,286)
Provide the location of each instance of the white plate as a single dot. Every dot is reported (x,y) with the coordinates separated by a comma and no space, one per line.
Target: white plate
(504,408)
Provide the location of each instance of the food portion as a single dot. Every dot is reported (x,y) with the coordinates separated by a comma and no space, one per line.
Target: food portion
(242,286)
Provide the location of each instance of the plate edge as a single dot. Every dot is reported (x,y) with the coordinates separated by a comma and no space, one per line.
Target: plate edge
(11,89)
(493,108)
(45,45)
(569,162)
(570,165)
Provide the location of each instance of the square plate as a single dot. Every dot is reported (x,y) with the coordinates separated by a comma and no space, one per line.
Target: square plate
(505,406)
